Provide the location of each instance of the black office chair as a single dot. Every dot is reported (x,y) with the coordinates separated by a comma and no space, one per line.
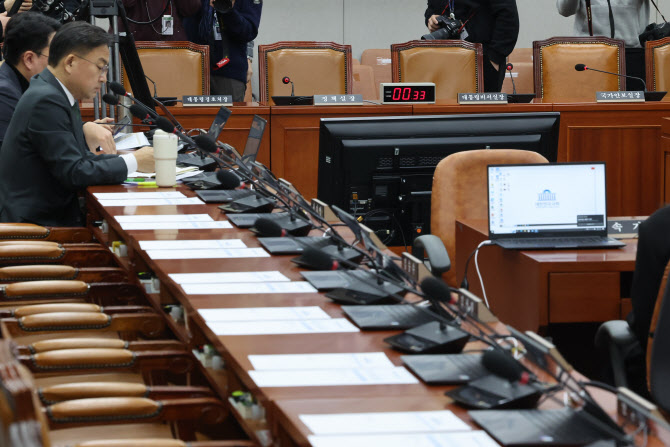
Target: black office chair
(659,361)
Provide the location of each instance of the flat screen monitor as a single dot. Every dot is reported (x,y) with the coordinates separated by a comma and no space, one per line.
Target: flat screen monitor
(382,168)
(134,71)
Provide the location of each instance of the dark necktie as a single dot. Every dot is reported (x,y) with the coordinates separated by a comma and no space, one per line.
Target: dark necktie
(76,113)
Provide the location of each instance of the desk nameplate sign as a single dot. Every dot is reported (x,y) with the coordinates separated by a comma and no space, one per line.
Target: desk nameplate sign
(338,100)
(625,96)
(207,100)
(482,98)
(624,227)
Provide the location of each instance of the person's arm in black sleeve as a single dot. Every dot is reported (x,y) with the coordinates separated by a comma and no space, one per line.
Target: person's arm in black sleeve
(242,25)
(505,30)
(433,8)
(188,8)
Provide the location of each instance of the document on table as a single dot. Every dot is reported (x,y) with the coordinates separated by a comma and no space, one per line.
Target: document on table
(129,141)
(197,244)
(170,222)
(138,195)
(461,439)
(226,277)
(152,202)
(266,327)
(249,288)
(212,253)
(158,218)
(380,423)
(264,314)
(333,377)
(321,361)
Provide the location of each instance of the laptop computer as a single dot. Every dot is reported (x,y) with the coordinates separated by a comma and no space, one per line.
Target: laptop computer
(249,154)
(548,206)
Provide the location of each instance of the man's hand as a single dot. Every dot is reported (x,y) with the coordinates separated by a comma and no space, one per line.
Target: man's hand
(3,20)
(99,136)
(145,159)
(25,6)
(104,122)
(432,23)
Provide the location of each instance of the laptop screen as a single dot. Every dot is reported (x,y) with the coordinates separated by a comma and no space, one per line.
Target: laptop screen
(546,199)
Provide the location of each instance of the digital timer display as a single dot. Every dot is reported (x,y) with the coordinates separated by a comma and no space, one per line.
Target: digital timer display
(408,93)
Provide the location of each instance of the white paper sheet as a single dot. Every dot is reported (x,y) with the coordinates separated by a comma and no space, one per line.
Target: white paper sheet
(197,244)
(212,253)
(177,225)
(333,377)
(138,195)
(155,218)
(380,423)
(458,439)
(128,141)
(249,288)
(151,202)
(264,314)
(226,277)
(321,361)
(281,327)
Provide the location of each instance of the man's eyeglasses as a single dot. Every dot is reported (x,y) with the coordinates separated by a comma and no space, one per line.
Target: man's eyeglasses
(103,70)
(41,54)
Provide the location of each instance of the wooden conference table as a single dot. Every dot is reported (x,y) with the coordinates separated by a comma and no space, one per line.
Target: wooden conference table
(282,404)
(626,136)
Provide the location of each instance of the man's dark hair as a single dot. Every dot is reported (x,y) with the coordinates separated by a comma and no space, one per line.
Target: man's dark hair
(27,31)
(78,38)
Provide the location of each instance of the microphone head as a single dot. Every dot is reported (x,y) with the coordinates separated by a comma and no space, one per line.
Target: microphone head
(509,67)
(269,228)
(228,179)
(110,99)
(317,259)
(117,88)
(165,125)
(137,111)
(205,143)
(436,289)
(286,79)
(581,67)
(502,364)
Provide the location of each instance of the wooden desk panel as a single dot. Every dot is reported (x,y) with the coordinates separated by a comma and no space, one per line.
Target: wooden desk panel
(534,288)
(237,128)
(295,138)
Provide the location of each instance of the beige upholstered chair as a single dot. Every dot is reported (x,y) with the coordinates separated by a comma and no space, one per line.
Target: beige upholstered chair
(380,61)
(314,67)
(522,60)
(455,66)
(459,192)
(364,82)
(556,79)
(177,68)
(658,64)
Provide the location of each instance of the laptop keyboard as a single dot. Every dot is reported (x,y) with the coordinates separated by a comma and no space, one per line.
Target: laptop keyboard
(446,368)
(561,424)
(551,242)
(387,316)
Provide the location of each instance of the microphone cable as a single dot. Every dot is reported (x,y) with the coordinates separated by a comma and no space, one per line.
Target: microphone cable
(479,274)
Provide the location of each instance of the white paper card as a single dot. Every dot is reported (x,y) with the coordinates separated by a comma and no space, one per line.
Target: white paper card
(138,195)
(226,277)
(333,325)
(131,141)
(380,423)
(321,361)
(176,225)
(333,377)
(152,202)
(213,253)
(155,218)
(250,288)
(458,439)
(198,244)
(264,314)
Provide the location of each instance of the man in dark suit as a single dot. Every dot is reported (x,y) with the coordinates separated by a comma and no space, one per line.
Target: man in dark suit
(44,159)
(26,52)
(493,23)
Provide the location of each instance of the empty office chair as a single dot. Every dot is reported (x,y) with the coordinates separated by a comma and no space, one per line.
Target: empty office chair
(364,82)
(380,61)
(556,79)
(177,68)
(314,68)
(522,71)
(658,64)
(455,66)
(460,192)
(26,231)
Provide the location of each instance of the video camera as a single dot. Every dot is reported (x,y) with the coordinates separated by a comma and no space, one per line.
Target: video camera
(449,28)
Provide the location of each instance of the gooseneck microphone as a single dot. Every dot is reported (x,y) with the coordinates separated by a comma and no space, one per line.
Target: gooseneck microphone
(121,91)
(287,80)
(228,179)
(502,364)
(582,67)
(509,68)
